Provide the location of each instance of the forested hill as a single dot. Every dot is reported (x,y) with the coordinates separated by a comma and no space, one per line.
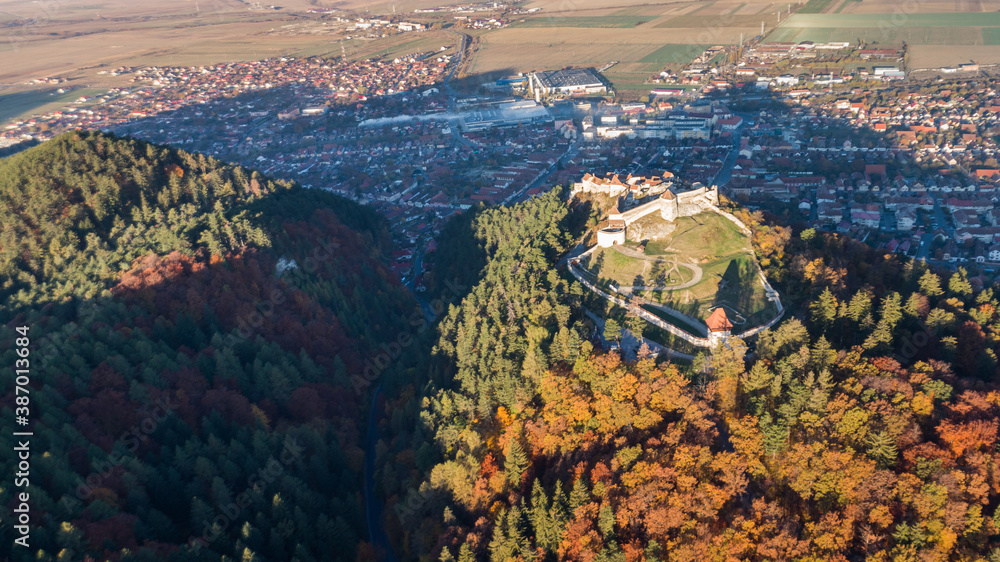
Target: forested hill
(863,427)
(194,327)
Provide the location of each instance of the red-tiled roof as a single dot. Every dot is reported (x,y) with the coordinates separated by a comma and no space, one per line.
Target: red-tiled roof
(718,321)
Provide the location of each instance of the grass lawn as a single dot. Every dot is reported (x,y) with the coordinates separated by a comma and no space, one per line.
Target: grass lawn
(610,264)
(844,5)
(729,270)
(707,236)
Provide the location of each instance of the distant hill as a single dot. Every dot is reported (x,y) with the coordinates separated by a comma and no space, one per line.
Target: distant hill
(194,325)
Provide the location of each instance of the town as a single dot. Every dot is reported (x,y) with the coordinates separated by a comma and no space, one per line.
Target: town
(910,169)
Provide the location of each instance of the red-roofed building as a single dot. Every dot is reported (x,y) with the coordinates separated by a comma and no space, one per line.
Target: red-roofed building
(719,326)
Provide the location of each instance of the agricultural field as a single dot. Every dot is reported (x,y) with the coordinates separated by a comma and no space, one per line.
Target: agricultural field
(883,36)
(950,19)
(715,267)
(923,6)
(936,56)
(673,54)
(644,37)
(815,7)
(390,47)
(17,105)
(526,49)
(934,39)
(74,38)
(580,21)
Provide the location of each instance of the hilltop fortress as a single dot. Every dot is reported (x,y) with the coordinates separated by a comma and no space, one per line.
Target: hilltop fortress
(704,290)
(669,204)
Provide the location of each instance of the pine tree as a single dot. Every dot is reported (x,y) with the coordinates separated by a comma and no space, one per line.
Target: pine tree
(891,311)
(882,448)
(612,330)
(820,393)
(775,434)
(915,305)
(822,354)
(465,554)
(879,339)
(515,461)
(606,520)
(539,514)
(824,309)
(557,520)
(860,306)
(759,377)
(959,283)
(580,494)
(930,284)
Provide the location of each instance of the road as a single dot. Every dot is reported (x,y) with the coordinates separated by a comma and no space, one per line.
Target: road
(521,195)
(456,130)
(458,62)
(925,241)
(373,507)
(726,173)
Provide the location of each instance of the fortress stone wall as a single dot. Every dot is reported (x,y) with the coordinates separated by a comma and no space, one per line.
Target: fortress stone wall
(672,205)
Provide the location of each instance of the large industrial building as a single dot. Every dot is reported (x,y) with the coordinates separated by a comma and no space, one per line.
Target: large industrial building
(566,82)
(505,115)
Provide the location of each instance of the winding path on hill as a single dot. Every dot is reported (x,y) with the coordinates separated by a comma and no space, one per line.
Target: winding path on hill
(698,272)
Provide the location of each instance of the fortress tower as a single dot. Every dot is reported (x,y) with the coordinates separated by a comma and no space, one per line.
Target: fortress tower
(668,206)
(614,232)
(719,326)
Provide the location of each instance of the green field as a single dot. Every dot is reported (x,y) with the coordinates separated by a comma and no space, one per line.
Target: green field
(631,80)
(741,291)
(815,6)
(950,19)
(365,49)
(673,54)
(704,6)
(845,4)
(915,29)
(34,102)
(569,21)
(707,236)
(991,36)
(710,22)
